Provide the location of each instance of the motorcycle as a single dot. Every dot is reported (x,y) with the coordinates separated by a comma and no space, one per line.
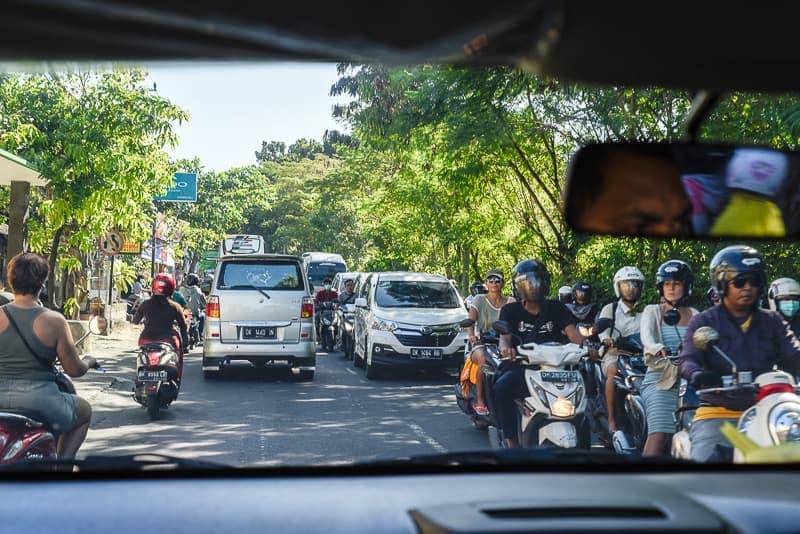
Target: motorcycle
(23,437)
(488,373)
(770,404)
(157,385)
(346,320)
(194,332)
(327,326)
(553,414)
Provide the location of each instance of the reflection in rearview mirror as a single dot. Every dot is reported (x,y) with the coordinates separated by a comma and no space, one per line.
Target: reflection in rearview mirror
(684,190)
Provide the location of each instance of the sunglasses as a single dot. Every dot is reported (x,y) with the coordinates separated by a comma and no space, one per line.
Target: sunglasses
(740,281)
(494,280)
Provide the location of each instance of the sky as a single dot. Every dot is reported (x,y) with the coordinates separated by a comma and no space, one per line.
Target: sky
(233,108)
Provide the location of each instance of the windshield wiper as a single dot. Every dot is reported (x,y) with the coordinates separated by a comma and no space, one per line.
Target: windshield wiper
(242,286)
(132,462)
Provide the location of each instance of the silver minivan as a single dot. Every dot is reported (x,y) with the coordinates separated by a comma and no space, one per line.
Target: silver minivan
(260,311)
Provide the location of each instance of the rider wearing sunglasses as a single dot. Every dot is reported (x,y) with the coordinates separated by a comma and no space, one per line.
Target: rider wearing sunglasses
(754,338)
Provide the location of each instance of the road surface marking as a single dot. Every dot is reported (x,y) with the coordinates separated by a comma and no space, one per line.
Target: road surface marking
(438,447)
(351,372)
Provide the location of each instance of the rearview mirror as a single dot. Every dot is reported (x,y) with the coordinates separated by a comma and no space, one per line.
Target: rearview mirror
(705,337)
(683,190)
(97,324)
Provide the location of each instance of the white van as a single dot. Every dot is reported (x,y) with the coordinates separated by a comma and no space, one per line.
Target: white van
(235,245)
(321,265)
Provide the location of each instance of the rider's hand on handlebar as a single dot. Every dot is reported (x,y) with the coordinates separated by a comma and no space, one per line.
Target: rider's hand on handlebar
(91,362)
(509,353)
(473,339)
(705,379)
(608,342)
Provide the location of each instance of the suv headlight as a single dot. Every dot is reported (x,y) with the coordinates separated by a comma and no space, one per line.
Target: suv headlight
(784,422)
(384,325)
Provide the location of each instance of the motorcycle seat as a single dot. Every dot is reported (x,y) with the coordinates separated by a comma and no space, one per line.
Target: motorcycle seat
(21,418)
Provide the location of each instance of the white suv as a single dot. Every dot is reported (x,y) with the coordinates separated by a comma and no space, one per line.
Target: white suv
(408,320)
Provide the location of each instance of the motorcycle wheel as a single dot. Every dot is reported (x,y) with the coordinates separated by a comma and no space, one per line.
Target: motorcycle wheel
(152,408)
(496,438)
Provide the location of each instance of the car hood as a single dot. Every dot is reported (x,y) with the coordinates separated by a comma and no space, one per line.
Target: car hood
(422,316)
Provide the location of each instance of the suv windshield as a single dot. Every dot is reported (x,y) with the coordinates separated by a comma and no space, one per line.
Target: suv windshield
(274,276)
(413,294)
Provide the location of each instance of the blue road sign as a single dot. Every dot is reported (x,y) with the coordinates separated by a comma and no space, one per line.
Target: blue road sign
(183,190)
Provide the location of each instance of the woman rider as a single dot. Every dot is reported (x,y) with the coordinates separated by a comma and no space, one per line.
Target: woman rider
(663,328)
(26,385)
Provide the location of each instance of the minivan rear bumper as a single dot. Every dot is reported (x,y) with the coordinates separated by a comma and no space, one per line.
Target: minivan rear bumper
(297,355)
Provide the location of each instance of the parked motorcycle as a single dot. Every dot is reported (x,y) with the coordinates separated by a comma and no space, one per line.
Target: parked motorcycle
(488,374)
(23,437)
(327,325)
(156,385)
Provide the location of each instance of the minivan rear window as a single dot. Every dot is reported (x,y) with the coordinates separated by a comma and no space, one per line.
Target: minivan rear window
(261,275)
(317,272)
(415,294)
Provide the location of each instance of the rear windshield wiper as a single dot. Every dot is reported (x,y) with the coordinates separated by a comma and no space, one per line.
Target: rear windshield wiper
(130,462)
(242,286)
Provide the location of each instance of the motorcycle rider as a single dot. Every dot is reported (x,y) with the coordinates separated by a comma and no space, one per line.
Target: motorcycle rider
(582,308)
(195,300)
(159,313)
(323,295)
(532,319)
(754,338)
(25,383)
(628,284)
(348,296)
(477,288)
(565,295)
(484,310)
(663,327)
(784,297)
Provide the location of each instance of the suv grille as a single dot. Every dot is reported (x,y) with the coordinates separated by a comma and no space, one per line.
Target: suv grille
(418,339)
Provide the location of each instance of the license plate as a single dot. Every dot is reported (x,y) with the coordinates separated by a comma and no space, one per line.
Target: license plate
(280,362)
(559,376)
(259,332)
(427,354)
(159,376)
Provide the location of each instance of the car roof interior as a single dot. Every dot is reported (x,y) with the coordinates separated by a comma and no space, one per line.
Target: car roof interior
(695,45)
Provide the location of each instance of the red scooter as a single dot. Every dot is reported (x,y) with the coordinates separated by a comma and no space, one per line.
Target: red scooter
(23,436)
(159,366)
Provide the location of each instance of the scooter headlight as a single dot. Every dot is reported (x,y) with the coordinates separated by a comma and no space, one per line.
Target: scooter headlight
(13,450)
(562,407)
(784,422)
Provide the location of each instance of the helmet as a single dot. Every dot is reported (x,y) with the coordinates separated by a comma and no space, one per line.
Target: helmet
(757,170)
(675,270)
(531,281)
(565,294)
(780,289)
(732,261)
(192,279)
(627,273)
(478,287)
(163,284)
(582,290)
(712,296)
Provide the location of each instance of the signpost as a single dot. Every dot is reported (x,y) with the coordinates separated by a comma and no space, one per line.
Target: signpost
(184,189)
(110,244)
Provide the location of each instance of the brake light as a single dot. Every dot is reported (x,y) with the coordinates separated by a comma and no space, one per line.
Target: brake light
(307,308)
(212,307)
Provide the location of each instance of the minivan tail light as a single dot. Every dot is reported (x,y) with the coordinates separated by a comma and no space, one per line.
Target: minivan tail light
(307,308)
(212,307)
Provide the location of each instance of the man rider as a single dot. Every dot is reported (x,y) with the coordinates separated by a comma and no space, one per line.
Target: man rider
(348,296)
(784,297)
(195,300)
(323,295)
(628,284)
(754,338)
(532,319)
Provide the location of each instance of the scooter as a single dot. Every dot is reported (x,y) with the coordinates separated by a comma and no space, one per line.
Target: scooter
(327,326)
(23,437)
(346,319)
(488,373)
(553,414)
(156,385)
(771,404)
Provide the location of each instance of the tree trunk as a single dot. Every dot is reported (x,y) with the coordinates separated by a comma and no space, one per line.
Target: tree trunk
(18,218)
(51,280)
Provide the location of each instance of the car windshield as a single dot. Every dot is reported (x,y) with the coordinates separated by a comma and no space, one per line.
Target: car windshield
(415,294)
(239,274)
(454,175)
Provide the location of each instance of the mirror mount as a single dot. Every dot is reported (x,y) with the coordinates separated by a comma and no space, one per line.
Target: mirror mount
(703,104)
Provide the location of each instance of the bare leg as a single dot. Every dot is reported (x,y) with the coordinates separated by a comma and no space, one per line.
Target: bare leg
(72,439)
(612,372)
(479,358)
(655,444)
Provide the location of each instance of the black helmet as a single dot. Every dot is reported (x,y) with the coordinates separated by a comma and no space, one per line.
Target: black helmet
(192,279)
(732,261)
(582,289)
(477,288)
(675,270)
(531,281)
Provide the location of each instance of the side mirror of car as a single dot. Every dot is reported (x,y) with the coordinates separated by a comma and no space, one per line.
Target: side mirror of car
(361,302)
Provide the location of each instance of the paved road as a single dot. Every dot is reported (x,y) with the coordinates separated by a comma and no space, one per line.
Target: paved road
(265,417)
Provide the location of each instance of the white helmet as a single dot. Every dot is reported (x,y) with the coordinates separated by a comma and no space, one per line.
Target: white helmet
(782,288)
(565,294)
(758,170)
(627,273)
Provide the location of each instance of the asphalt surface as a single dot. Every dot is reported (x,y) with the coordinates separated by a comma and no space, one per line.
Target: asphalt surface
(266,417)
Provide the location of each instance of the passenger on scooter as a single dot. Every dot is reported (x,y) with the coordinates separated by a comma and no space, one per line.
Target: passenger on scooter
(754,338)
(533,319)
(26,385)
(160,314)
(626,322)
(784,297)
(195,300)
(663,328)
(484,310)
(582,308)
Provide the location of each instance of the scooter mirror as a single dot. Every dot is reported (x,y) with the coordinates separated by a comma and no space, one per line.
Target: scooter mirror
(705,337)
(466,323)
(501,327)
(97,324)
(602,324)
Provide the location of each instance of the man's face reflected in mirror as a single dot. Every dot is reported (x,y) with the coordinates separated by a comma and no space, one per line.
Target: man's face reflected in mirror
(622,191)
